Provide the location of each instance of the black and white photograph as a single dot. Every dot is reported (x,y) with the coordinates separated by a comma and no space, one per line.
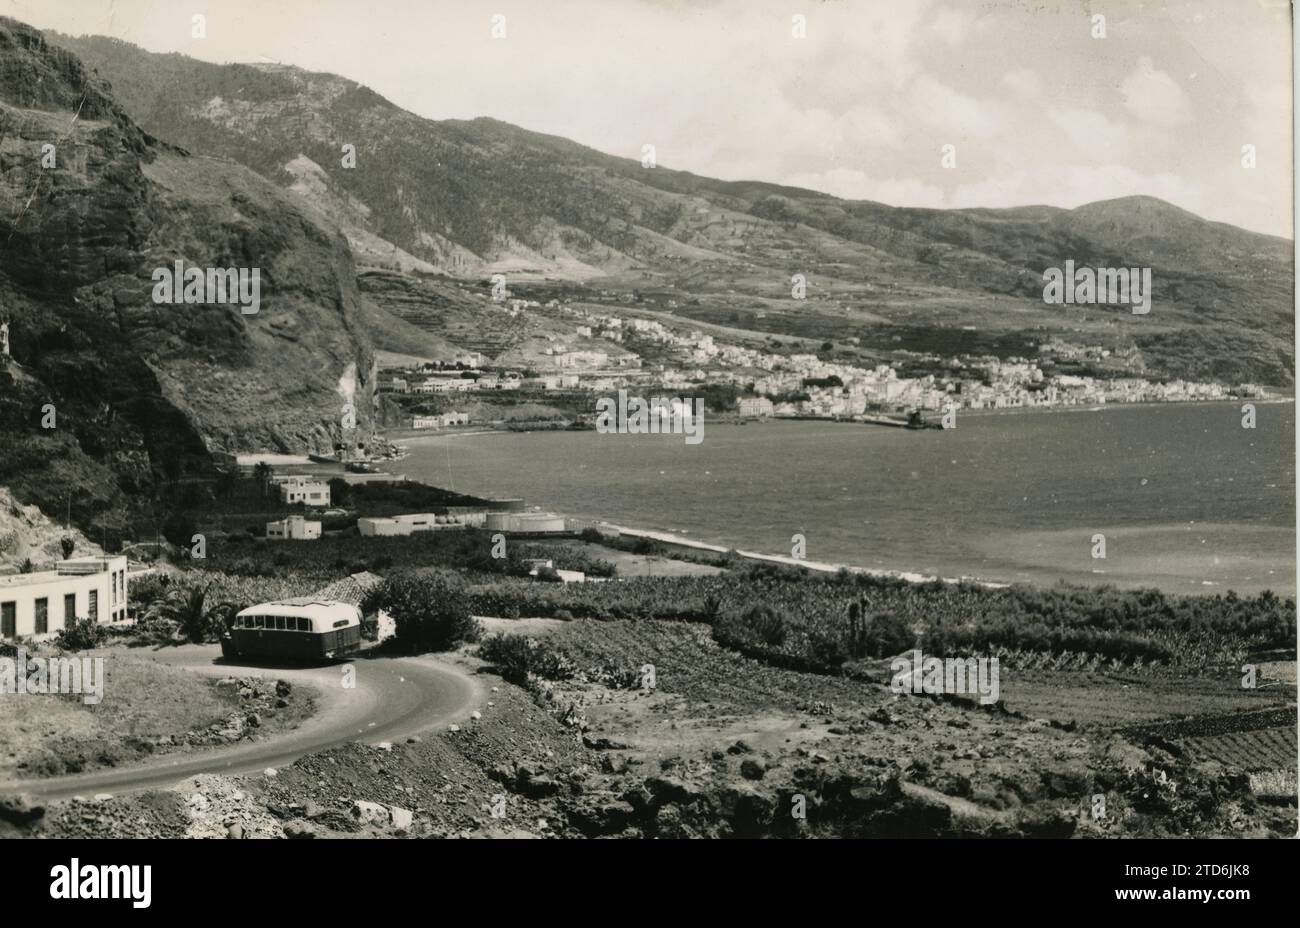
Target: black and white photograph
(646,419)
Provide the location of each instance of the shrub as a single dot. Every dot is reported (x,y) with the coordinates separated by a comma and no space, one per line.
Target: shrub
(517,656)
(759,624)
(153,630)
(548,575)
(430,612)
(827,647)
(80,635)
(881,635)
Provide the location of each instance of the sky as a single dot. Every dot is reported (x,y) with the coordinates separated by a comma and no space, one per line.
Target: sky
(856,98)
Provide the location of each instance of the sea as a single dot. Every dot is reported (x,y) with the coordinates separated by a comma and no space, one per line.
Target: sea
(1180,497)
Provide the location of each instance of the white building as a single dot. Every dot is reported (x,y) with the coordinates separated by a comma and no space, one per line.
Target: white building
(371,526)
(294,528)
(445,385)
(298,489)
(40,604)
(441,421)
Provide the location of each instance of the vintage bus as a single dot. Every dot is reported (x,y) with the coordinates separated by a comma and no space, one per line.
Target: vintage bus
(294,629)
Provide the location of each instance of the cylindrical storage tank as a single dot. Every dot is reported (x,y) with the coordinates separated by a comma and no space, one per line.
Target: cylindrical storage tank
(539,522)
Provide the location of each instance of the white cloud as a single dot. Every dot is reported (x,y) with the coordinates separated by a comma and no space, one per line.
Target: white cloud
(859,108)
(1153,96)
(952,26)
(1024,83)
(1090,131)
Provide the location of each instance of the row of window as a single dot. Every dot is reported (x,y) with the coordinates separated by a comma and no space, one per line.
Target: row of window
(9,614)
(280,623)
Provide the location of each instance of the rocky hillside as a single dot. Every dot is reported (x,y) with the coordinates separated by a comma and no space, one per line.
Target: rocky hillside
(477,197)
(90,206)
(28,535)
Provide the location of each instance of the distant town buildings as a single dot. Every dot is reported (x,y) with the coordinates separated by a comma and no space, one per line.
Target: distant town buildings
(754,406)
(440,421)
(803,384)
(455,384)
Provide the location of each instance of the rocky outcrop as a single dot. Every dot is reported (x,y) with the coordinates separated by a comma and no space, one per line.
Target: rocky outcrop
(27,535)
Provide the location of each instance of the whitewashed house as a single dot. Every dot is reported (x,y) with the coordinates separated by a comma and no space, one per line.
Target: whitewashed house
(39,604)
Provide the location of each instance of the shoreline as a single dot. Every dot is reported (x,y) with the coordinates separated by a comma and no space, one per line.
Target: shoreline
(398,436)
(674,540)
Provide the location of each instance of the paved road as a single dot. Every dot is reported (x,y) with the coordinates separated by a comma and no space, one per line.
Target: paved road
(392,698)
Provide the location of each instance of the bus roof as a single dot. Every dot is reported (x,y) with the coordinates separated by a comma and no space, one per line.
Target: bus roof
(308,607)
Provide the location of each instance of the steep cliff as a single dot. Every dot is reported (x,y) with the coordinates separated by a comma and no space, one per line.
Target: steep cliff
(90,207)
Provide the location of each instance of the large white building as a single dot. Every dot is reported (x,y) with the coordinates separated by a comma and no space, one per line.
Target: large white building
(370,526)
(39,604)
(299,489)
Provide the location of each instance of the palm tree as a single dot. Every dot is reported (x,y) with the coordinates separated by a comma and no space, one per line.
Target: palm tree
(262,474)
(192,611)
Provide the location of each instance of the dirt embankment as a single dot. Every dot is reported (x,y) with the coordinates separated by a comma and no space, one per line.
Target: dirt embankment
(154,710)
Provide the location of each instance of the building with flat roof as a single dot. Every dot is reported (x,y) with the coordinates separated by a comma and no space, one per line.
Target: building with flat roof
(418,522)
(298,488)
(293,528)
(37,605)
(440,421)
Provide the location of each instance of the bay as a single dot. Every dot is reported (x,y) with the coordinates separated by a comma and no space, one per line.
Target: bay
(1187,499)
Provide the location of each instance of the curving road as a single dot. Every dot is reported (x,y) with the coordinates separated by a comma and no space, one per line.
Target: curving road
(392,698)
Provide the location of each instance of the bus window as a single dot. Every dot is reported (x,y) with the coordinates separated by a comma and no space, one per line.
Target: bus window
(279,623)
(259,621)
(304,624)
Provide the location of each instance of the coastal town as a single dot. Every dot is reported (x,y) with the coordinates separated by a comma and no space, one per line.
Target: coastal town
(578,352)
